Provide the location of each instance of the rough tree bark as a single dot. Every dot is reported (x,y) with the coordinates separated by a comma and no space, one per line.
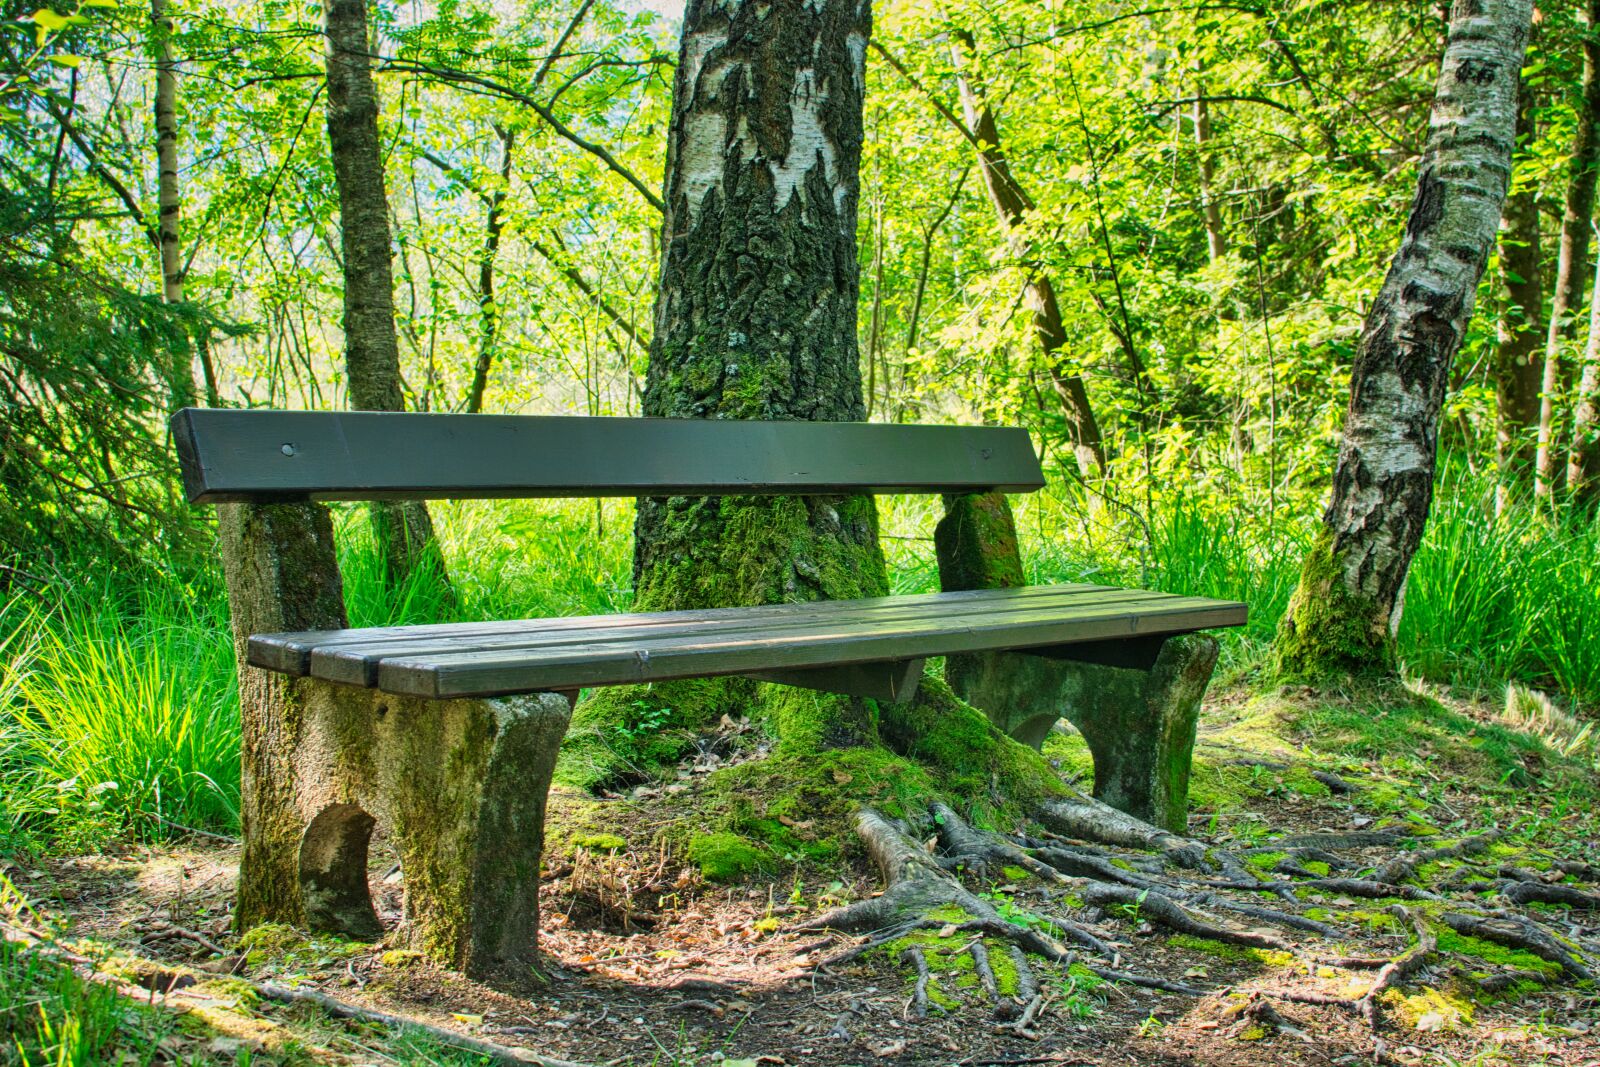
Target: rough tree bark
(1583,466)
(372,351)
(1345,610)
(1011,205)
(756,312)
(1572,267)
(488,309)
(1518,352)
(756,318)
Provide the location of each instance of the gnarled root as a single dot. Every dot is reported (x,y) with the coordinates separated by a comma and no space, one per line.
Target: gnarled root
(1514,931)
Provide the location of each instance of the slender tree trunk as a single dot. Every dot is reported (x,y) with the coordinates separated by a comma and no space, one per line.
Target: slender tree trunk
(488,309)
(1572,266)
(1216,237)
(756,311)
(1345,611)
(1518,353)
(1011,204)
(1583,466)
(168,196)
(372,352)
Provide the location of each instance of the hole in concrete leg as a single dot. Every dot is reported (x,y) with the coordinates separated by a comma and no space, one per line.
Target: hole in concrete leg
(333,872)
(386,878)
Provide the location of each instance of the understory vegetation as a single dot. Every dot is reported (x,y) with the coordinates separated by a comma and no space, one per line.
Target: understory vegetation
(120,715)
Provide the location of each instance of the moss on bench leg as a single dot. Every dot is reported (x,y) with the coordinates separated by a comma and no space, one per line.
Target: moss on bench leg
(1137,707)
(461,787)
(282,574)
(1139,719)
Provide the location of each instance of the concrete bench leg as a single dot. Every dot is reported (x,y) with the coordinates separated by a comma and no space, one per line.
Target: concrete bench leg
(1136,702)
(460,785)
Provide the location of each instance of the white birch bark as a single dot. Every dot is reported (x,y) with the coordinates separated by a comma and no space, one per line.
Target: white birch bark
(1347,606)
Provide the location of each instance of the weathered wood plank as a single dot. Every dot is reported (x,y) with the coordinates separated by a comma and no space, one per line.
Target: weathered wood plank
(233,455)
(569,666)
(358,664)
(290,653)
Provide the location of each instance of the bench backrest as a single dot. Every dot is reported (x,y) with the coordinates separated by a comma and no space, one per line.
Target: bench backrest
(234,455)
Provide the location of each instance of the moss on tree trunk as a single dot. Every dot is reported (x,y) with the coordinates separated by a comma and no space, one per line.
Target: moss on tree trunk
(756,319)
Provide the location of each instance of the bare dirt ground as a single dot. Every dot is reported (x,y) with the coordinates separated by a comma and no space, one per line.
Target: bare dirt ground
(648,964)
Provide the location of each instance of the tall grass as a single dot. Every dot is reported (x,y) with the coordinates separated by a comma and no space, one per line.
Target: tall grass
(118,711)
(1507,597)
(118,714)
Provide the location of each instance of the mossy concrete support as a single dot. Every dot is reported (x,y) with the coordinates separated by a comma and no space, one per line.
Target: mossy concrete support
(1136,701)
(460,785)
(282,575)
(1139,715)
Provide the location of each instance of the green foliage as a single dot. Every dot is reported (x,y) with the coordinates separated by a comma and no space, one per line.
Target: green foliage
(117,715)
(51,1016)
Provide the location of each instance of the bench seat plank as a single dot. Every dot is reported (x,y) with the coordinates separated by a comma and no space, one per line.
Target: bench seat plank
(358,664)
(290,653)
(564,654)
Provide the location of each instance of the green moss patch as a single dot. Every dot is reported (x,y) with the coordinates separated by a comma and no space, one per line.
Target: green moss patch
(725,857)
(600,844)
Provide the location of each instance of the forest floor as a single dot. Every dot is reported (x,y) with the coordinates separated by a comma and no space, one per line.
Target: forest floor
(649,963)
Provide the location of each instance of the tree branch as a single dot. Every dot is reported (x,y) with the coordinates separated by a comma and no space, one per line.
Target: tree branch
(461,77)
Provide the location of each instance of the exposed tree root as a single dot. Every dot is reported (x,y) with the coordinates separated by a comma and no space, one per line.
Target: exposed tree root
(1159,908)
(1544,893)
(1391,974)
(1086,818)
(1363,887)
(919,995)
(1514,931)
(1404,866)
(1119,869)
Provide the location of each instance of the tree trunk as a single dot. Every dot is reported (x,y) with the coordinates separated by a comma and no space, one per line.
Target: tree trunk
(1583,466)
(1011,204)
(1517,355)
(755,318)
(372,352)
(1345,611)
(1572,267)
(488,309)
(756,312)
(168,200)
(1216,239)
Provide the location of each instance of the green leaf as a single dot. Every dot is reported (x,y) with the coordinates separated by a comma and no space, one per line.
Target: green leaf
(100,3)
(49,21)
(70,62)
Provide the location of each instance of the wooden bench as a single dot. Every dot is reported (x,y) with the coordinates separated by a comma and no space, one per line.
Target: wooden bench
(448,733)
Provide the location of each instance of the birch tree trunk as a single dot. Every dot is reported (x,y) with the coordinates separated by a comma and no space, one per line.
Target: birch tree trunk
(755,316)
(1572,266)
(169,203)
(372,352)
(1519,349)
(1345,611)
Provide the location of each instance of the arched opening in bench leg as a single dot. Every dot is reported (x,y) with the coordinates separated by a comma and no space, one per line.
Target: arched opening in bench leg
(333,873)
